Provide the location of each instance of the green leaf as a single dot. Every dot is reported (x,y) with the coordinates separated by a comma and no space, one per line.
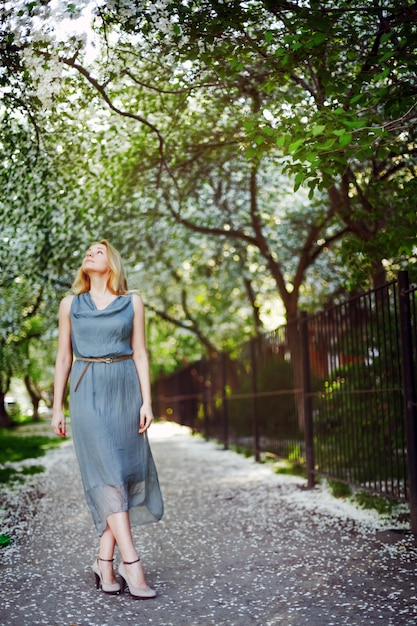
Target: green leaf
(293,147)
(299,179)
(327,144)
(344,140)
(356,98)
(383,74)
(267,130)
(250,153)
(311,157)
(318,38)
(385,37)
(353,124)
(318,129)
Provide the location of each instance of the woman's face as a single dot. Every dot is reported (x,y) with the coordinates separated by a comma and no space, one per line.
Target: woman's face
(96,259)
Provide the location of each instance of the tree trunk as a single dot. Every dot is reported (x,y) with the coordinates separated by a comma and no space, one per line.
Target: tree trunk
(35,397)
(294,346)
(5,421)
(379,275)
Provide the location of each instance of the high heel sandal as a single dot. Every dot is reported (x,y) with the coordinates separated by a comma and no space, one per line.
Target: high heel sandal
(141,593)
(110,588)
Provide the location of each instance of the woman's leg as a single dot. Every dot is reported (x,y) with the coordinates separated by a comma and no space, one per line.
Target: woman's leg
(106,554)
(119,524)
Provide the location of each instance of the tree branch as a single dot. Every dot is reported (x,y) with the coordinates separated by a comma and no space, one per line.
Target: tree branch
(185,326)
(103,93)
(210,230)
(173,92)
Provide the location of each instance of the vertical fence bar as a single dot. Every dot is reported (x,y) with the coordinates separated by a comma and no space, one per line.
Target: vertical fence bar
(255,417)
(225,414)
(308,416)
(204,390)
(401,454)
(410,405)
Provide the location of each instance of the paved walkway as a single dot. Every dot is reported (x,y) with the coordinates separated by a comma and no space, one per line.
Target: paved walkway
(234,548)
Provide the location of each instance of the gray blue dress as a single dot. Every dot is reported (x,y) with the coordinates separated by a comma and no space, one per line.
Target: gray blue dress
(117,468)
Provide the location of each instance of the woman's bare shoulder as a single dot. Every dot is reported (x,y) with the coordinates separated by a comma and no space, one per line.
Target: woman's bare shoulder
(65,304)
(136,300)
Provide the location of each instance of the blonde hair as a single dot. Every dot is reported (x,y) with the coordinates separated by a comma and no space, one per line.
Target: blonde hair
(116,282)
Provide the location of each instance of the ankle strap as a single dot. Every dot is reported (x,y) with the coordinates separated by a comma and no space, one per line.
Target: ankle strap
(131,562)
(106,560)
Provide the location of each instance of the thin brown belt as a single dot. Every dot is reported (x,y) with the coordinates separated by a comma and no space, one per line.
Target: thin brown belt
(99,359)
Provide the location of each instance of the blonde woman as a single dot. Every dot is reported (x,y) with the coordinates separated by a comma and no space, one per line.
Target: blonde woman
(103,325)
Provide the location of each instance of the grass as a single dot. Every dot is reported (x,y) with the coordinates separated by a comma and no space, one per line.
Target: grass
(10,475)
(382,505)
(339,489)
(14,447)
(290,468)
(5,540)
(247,452)
(18,445)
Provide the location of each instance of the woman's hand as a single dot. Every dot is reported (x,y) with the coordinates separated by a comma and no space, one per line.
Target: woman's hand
(146,418)
(58,424)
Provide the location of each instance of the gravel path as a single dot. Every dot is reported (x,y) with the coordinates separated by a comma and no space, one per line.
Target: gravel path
(238,545)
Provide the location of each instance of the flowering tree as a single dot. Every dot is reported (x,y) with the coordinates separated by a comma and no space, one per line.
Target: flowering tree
(196,115)
(324,93)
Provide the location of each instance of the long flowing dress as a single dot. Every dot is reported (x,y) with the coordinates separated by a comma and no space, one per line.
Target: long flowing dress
(117,468)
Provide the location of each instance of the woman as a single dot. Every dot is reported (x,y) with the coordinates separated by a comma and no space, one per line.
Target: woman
(110,408)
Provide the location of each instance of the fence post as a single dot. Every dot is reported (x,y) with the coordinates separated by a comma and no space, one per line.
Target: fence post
(225,414)
(255,423)
(410,406)
(308,415)
(205,398)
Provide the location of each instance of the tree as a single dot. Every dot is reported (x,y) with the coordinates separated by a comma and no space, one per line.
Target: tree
(18,325)
(328,88)
(215,103)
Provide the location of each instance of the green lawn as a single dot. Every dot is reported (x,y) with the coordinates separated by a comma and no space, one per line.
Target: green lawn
(22,443)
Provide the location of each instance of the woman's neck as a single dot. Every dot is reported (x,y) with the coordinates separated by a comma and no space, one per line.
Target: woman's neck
(98,287)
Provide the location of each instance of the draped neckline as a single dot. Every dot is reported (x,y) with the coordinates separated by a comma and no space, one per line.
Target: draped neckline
(103,308)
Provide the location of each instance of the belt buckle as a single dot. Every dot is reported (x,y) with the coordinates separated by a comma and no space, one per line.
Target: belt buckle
(108,359)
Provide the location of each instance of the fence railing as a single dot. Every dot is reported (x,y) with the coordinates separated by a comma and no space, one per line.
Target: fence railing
(335,391)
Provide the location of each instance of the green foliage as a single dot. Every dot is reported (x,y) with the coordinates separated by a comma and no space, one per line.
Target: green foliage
(245,451)
(4,540)
(290,468)
(17,448)
(14,412)
(9,475)
(339,490)
(359,421)
(275,407)
(18,445)
(384,506)
(189,164)
(276,375)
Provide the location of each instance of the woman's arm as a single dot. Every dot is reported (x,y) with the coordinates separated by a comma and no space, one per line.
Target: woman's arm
(140,357)
(62,366)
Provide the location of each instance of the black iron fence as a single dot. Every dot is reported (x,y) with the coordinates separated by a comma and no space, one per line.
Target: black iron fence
(335,391)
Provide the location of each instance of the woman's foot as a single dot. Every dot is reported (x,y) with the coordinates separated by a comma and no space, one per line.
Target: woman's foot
(105,578)
(132,575)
